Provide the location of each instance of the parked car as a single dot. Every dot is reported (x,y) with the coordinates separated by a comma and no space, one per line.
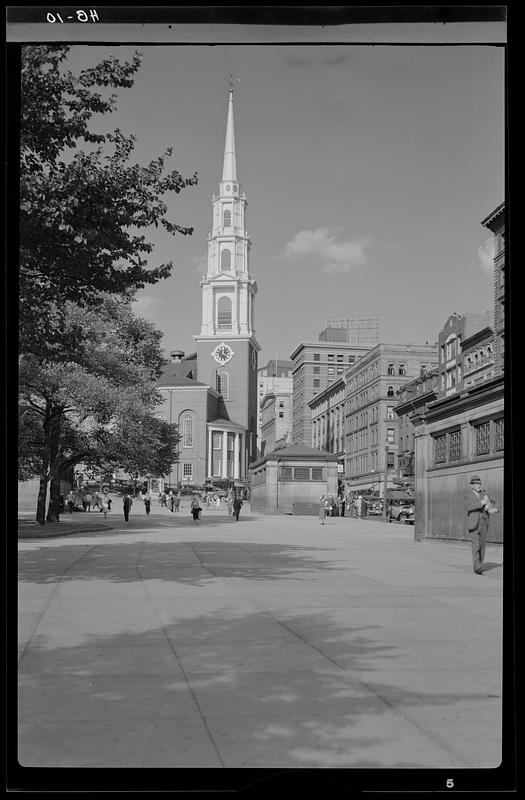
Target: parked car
(375,509)
(402,512)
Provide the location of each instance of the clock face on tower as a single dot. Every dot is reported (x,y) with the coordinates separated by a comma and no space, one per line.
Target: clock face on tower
(222,353)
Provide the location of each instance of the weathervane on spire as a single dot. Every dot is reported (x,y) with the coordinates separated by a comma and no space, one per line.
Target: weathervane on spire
(232,81)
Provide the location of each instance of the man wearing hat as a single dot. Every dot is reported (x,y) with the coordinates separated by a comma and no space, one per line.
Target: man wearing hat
(478,507)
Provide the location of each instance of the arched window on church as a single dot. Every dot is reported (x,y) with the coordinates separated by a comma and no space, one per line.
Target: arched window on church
(223,384)
(224,313)
(226,259)
(187,431)
(227,218)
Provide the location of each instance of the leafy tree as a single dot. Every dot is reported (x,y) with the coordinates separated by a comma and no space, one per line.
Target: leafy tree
(81,213)
(95,398)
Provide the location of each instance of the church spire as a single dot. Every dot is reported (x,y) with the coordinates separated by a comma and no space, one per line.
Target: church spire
(229,170)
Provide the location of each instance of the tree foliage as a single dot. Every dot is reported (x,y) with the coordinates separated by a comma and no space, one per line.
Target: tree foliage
(82,213)
(94,400)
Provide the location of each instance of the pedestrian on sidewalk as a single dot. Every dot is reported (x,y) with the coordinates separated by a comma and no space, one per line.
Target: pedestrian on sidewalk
(146,499)
(358,505)
(106,505)
(176,501)
(171,500)
(87,500)
(163,500)
(127,503)
(478,507)
(70,500)
(195,508)
(343,505)
(323,502)
(237,505)
(96,502)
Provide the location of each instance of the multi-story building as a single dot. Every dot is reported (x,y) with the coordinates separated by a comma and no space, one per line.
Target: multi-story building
(315,366)
(276,426)
(328,418)
(495,223)
(276,376)
(457,328)
(462,431)
(371,429)
(412,400)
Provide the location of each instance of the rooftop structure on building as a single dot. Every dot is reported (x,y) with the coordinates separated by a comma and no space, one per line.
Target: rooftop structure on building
(353,330)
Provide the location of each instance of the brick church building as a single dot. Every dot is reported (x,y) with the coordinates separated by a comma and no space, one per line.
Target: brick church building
(212,394)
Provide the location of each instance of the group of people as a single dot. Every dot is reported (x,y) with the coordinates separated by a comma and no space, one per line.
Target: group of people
(170,500)
(101,501)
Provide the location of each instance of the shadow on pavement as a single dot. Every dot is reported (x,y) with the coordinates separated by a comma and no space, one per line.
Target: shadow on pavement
(193,562)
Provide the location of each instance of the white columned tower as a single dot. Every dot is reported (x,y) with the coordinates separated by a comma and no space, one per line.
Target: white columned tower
(226,345)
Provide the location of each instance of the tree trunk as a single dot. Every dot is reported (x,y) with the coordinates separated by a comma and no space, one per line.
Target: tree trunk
(53,510)
(44,469)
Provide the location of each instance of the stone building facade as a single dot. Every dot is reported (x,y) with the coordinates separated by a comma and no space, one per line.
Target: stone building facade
(276,412)
(371,425)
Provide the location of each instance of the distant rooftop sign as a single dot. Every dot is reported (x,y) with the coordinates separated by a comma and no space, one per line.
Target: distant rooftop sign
(353,330)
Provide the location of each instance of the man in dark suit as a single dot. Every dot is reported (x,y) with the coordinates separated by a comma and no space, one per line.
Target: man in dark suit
(478,507)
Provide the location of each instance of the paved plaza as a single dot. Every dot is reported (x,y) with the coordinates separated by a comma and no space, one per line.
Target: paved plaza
(268,642)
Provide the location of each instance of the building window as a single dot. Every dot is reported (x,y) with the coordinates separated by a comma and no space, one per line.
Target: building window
(331,371)
(187,471)
(227,220)
(402,369)
(390,369)
(223,384)
(340,370)
(224,313)
(331,357)
(187,431)
(317,383)
(226,259)
(454,446)
(286,474)
(301,474)
(317,356)
(390,391)
(351,359)
(482,438)
(498,434)
(317,474)
(339,359)
(390,412)
(390,435)
(440,449)
(317,370)
(281,414)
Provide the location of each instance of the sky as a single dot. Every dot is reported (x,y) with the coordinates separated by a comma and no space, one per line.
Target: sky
(367,171)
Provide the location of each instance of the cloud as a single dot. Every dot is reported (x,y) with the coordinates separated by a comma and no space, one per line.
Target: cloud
(145,305)
(486,255)
(333,256)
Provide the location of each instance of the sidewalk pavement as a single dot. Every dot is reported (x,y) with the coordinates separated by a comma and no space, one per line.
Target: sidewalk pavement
(269,642)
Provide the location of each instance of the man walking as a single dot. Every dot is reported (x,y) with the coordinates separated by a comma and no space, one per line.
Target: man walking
(478,507)
(127,503)
(237,505)
(146,499)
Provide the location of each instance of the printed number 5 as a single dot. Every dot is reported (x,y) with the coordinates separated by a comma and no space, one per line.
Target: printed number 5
(450,783)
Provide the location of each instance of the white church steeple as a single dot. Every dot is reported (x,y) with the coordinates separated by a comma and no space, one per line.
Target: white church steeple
(228,291)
